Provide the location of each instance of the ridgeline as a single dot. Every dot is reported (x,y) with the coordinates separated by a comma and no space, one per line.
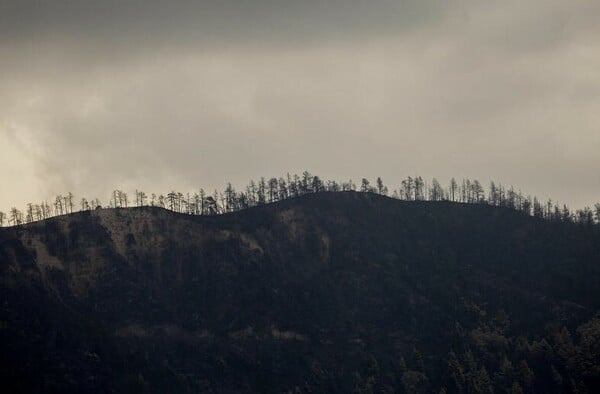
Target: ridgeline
(327,292)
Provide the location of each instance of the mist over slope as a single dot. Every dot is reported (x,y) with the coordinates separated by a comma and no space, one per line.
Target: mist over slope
(334,292)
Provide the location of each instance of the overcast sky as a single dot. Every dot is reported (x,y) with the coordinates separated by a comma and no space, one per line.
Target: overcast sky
(161,95)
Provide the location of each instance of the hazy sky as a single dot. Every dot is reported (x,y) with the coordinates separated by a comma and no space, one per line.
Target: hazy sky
(161,95)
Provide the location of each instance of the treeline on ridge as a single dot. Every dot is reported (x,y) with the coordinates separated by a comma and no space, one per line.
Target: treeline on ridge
(266,191)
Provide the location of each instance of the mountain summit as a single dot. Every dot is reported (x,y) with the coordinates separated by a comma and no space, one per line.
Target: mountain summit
(328,292)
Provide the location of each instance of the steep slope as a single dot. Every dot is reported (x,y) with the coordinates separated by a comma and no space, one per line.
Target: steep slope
(327,292)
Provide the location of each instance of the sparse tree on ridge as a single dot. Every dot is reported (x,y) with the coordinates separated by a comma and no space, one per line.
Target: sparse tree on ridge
(333,186)
(116,199)
(407,189)
(251,190)
(306,182)
(478,195)
(419,187)
(538,210)
(97,204)
(161,201)
(526,205)
(46,210)
(202,197)
(493,196)
(29,213)
(272,190)
(453,189)
(348,186)
(230,198)
(69,201)
(58,205)
(365,186)
(140,198)
(218,208)
(242,201)
(282,189)
(261,192)
(16,216)
(381,188)
(197,204)
(172,202)
(317,184)
(436,193)
(585,216)
(210,205)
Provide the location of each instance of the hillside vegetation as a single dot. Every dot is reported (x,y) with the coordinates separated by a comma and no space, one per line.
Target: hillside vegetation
(328,292)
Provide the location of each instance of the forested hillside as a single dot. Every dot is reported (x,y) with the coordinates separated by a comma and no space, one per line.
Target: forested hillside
(325,292)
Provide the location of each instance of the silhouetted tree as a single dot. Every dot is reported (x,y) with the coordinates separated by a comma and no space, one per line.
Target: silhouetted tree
(272,189)
(436,193)
(261,191)
(161,201)
(538,210)
(453,189)
(381,188)
(282,189)
(116,199)
(46,210)
(317,185)
(202,197)
(493,194)
(196,204)
(58,205)
(365,186)
(210,206)
(16,216)
(407,188)
(29,213)
(305,185)
(216,202)
(585,216)
(69,204)
(348,186)
(140,198)
(230,198)
(172,201)
(477,195)
(419,186)
(242,201)
(333,186)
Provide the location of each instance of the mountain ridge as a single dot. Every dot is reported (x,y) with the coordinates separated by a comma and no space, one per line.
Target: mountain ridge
(353,274)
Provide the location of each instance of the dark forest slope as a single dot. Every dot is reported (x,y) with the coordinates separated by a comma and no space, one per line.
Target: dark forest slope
(327,292)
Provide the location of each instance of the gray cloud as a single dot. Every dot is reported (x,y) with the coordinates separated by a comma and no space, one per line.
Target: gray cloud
(97,95)
(211,22)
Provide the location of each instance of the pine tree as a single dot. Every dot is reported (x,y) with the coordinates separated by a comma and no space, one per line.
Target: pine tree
(365,186)
(483,383)
(381,188)
(526,375)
